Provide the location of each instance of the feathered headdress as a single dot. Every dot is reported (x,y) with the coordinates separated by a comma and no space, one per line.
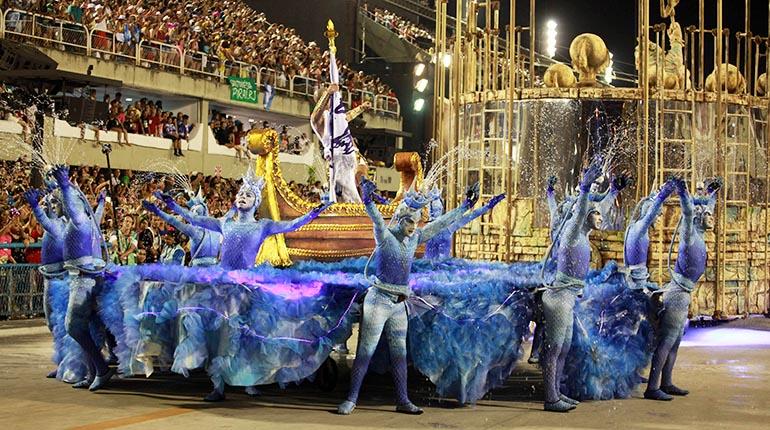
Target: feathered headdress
(704,206)
(412,204)
(436,207)
(197,199)
(252,182)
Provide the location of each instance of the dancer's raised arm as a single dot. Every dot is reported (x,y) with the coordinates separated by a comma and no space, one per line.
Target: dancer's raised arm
(444,221)
(649,218)
(317,119)
(33,197)
(277,227)
(169,219)
(72,203)
(688,212)
(368,188)
(712,188)
(207,222)
(572,228)
(470,216)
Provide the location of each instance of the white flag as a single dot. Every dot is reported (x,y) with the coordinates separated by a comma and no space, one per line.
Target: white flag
(337,128)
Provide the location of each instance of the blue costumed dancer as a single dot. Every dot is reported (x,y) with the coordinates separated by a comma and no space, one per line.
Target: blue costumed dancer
(384,306)
(52,259)
(440,247)
(204,250)
(83,259)
(242,238)
(604,203)
(636,244)
(204,243)
(573,261)
(690,266)
(556,217)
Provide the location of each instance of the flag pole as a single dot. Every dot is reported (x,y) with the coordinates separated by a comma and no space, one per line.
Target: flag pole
(331,34)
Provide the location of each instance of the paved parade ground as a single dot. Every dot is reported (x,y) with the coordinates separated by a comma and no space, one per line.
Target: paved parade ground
(726,369)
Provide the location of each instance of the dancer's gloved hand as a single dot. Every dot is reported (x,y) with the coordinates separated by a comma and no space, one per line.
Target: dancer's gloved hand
(667,188)
(379,199)
(621,181)
(495,200)
(168,199)
(320,208)
(33,197)
(149,207)
(100,198)
(368,189)
(550,184)
(681,186)
(327,154)
(715,184)
(61,173)
(590,175)
(471,195)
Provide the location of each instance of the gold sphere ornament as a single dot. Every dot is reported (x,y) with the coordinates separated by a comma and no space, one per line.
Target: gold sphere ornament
(590,57)
(733,81)
(559,76)
(260,142)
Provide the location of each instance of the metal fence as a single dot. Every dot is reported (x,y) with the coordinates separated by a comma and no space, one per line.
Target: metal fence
(21,288)
(76,38)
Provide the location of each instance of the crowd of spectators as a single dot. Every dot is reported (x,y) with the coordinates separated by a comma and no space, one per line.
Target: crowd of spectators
(405,29)
(143,116)
(140,236)
(217,34)
(311,192)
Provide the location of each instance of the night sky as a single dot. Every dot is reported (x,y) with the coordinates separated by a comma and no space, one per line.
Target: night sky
(615,21)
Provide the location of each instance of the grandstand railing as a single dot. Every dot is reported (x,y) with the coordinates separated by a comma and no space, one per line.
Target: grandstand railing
(21,287)
(409,38)
(74,37)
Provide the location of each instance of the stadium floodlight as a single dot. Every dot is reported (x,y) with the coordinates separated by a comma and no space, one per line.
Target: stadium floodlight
(447,59)
(421,85)
(609,74)
(419,69)
(419,104)
(550,38)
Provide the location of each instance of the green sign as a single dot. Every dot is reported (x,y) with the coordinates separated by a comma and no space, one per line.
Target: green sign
(243,89)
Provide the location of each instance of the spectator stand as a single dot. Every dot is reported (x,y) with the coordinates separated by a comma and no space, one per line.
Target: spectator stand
(55,33)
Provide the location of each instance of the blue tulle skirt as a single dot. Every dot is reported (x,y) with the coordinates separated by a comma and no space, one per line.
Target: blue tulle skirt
(71,362)
(467,321)
(265,325)
(612,338)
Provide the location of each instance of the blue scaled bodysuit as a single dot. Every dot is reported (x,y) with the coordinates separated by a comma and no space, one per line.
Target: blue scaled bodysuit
(440,247)
(604,203)
(636,244)
(204,243)
(242,237)
(83,259)
(559,295)
(52,262)
(204,250)
(690,266)
(384,308)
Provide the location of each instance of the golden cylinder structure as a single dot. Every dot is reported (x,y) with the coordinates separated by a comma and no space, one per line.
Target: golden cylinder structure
(680,120)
